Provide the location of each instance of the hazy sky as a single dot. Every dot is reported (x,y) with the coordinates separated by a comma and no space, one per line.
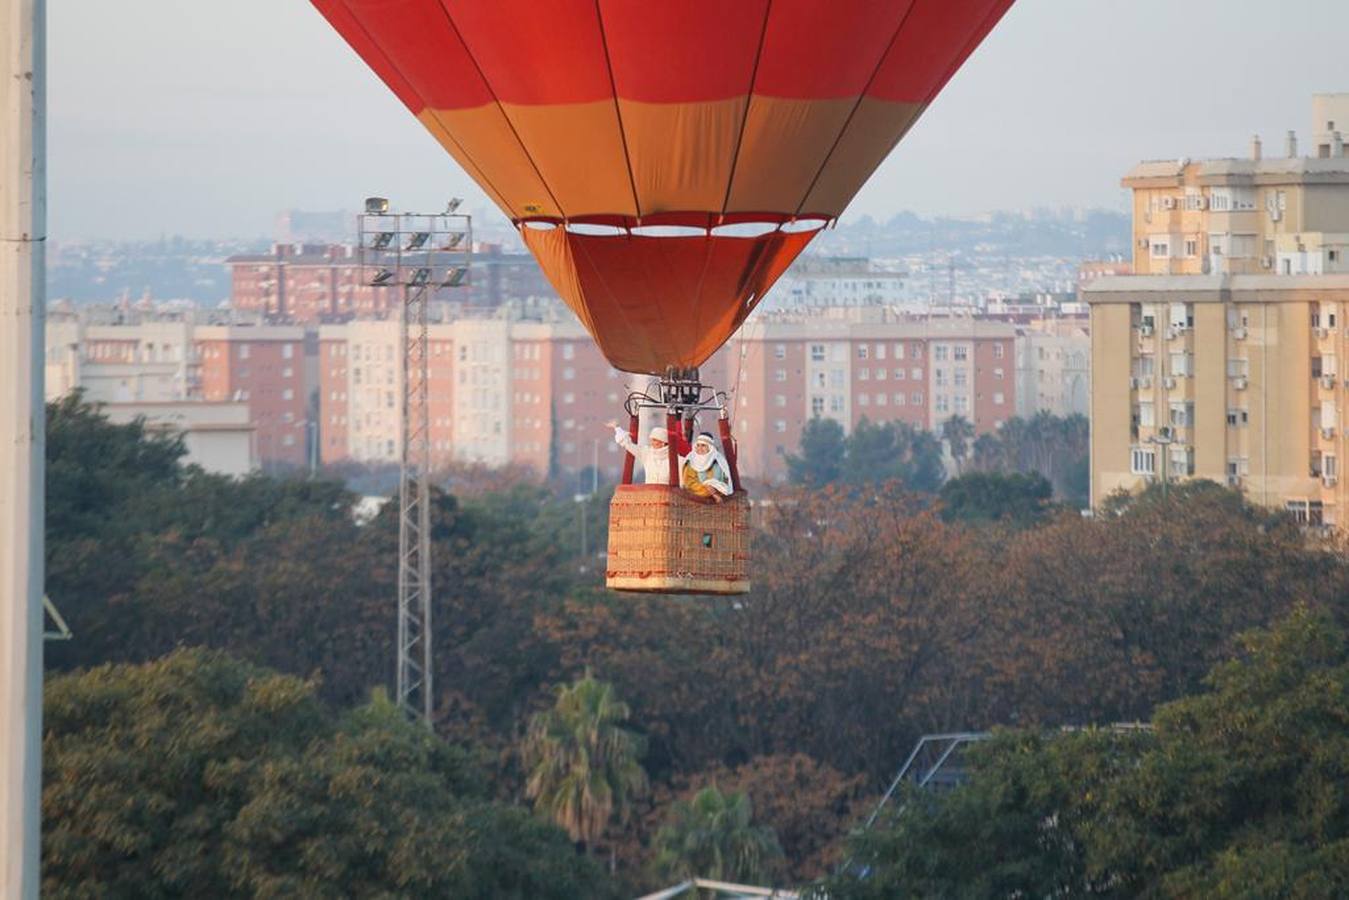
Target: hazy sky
(196,118)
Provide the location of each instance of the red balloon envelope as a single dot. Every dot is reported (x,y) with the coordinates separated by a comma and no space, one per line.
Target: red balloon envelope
(666,160)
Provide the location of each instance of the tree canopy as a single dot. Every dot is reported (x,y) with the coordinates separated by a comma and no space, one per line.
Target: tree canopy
(196,774)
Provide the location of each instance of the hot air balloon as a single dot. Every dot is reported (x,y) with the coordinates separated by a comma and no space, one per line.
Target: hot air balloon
(666,160)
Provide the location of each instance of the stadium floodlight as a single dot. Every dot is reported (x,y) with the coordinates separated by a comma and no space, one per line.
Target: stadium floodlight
(377,206)
(383,277)
(421,276)
(452,205)
(382,240)
(418,240)
(455,240)
(456,276)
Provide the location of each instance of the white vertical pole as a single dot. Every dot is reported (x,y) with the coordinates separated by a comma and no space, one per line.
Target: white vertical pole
(22,436)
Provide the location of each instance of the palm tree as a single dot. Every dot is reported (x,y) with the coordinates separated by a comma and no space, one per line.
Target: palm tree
(713,836)
(958,431)
(583,766)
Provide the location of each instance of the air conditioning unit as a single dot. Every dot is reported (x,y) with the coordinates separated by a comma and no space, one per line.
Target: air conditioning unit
(1133,383)
(1168,203)
(1322,332)
(1327,433)
(1145,382)
(1266,262)
(1275,214)
(1328,480)
(1145,330)
(1169,382)
(1239,333)
(1172,332)
(1143,243)
(1233,480)
(1201,202)
(1239,383)
(1328,382)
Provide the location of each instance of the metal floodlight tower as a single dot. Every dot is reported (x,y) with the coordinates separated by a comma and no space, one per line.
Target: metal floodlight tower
(420,256)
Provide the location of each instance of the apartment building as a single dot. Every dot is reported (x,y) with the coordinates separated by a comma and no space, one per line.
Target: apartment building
(1053,367)
(310,284)
(1219,358)
(1258,215)
(1231,378)
(267,368)
(863,363)
(142,361)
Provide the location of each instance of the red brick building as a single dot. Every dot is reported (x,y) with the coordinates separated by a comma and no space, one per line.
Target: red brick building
(266,368)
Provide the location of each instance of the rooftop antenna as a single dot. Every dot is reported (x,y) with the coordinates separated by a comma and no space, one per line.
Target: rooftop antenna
(419,255)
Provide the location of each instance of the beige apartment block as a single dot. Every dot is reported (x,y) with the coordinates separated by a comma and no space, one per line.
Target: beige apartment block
(1233,378)
(1266,213)
(1053,367)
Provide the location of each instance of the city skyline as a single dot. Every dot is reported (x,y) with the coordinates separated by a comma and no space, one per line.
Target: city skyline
(191,125)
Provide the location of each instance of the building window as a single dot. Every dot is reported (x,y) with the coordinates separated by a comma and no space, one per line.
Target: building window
(916,399)
(243,351)
(836,403)
(836,378)
(864,375)
(899,351)
(1305,512)
(880,348)
(780,375)
(863,399)
(1142,461)
(816,405)
(999,351)
(780,426)
(1237,418)
(288,394)
(962,403)
(882,399)
(1238,368)
(961,377)
(1147,414)
(899,399)
(568,351)
(863,351)
(881,373)
(998,374)
(940,352)
(817,352)
(1160,248)
(1191,248)
(568,398)
(568,374)
(939,377)
(960,354)
(287,351)
(779,400)
(899,374)
(1182,415)
(916,374)
(997,399)
(779,351)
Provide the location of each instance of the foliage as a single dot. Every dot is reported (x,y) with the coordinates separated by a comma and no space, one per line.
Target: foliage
(872,453)
(1019,500)
(200,774)
(1057,448)
(958,432)
(583,765)
(713,835)
(1237,792)
(823,448)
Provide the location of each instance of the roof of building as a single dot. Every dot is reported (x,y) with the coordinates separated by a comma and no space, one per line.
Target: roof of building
(1107,289)
(1266,170)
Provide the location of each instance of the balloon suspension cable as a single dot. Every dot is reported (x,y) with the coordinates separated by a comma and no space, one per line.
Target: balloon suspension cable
(679,391)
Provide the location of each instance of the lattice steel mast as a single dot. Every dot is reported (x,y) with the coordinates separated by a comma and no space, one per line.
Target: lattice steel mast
(419,256)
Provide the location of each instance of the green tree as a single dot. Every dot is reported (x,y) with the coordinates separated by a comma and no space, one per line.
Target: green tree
(874,453)
(583,766)
(958,432)
(1020,500)
(713,835)
(924,470)
(199,775)
(1236,792)
(823,450)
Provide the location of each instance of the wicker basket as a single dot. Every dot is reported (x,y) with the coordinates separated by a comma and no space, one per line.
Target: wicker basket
(663,540)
